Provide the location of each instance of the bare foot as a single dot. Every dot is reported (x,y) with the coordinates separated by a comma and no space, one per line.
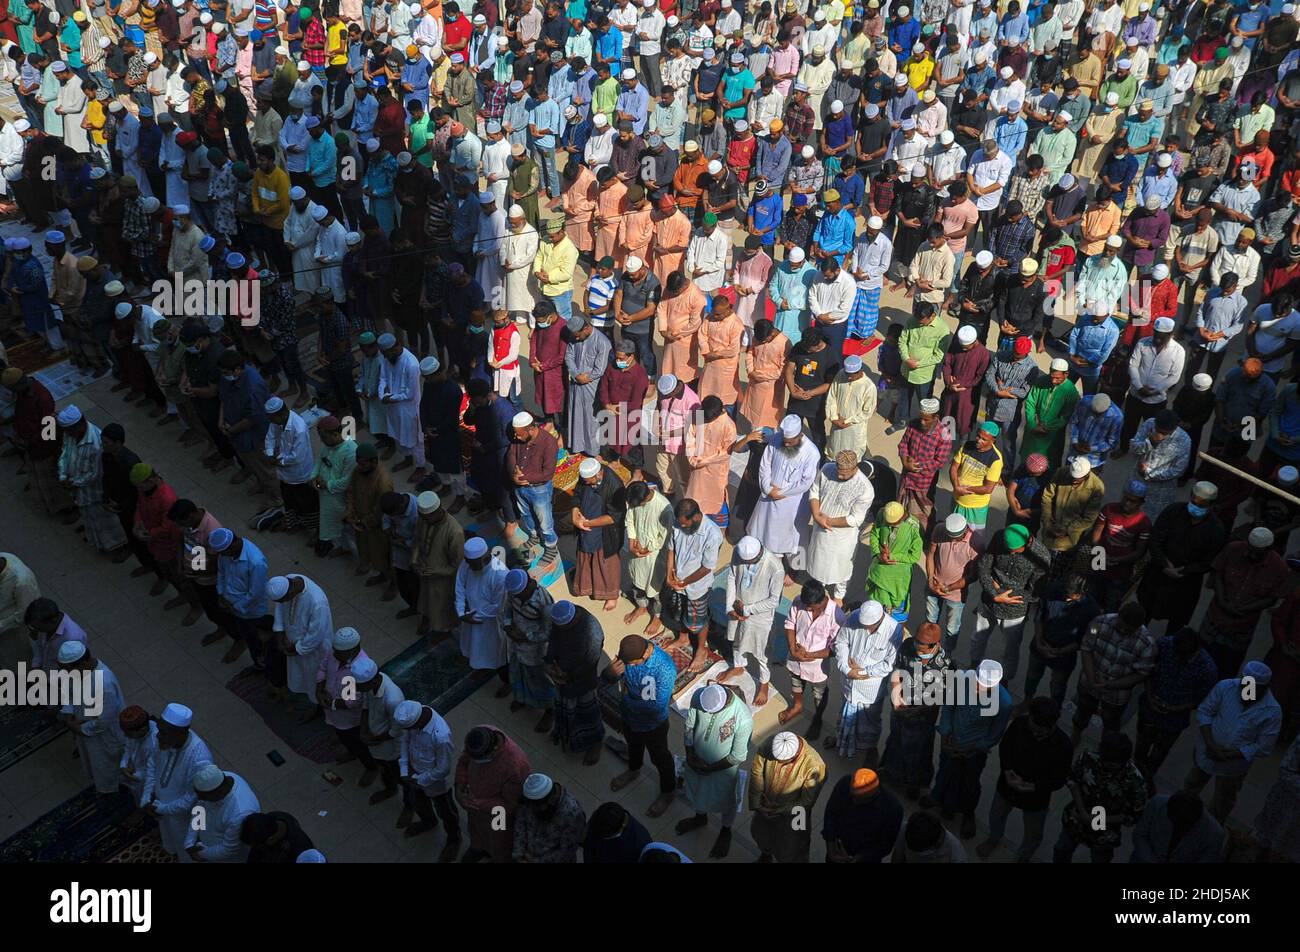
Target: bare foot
(790,713)
(760,699)
(729,674)
(698,663)
(678,644)
(633,615)
(654,627)
(611,604)
(623,779)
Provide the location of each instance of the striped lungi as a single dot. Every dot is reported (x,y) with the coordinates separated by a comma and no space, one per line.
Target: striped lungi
(103,527)
(692,614)
(859,728)
(45,480)
(864,315)
(578,724)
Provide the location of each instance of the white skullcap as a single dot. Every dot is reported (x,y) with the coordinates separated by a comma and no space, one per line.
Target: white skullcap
(1288,475)
(714,166)
(1125,64)
(71,651)
(319,212)
(346,639)
(297,193)
(1164,325)
(740,125)
(1100,403)
(1080,467)
(784,746)
(588,468)
(1202,382)
(1260,538)
(1152,202)
(713,698)
(600,121)
(946,137)
(1114,241)
(1006,72)
(522,419)
(386,340)
(984,259)
(429,366)
(955,524)
(796,255)
(930,405)
(486,198)
(807,152)
(667,383)
(748,548)
(313,855)
(875,223)
(181,210)
(537,786)
(870,612)
(1164,160)
(791,426)
(363,669)
(70,415)
(837,105)
(277,588)
(475,547)
(966,334)
(427,502)
(208,778)
(1160,272)
(407,713)
(177,715)
(22,125)
(1059,364)
(515,211)
(852,363)
(633,263)
(989,673)
(1112,99)
(1205,490)
(121,311)
(274,405)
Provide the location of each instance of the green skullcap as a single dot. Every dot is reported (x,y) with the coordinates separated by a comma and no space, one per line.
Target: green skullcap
(139,473)
(1221,54)
(366,337)
(991,428)
(1015,536)
(304,15)
(367,451)
(710,219)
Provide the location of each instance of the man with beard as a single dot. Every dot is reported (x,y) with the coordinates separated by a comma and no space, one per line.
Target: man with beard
(1248,578)
(598,510)
(963,371)
(479,592)
(526,622)
(585,362)
(786,473)
(866,647)
(436,554)
(693,546)
(839,500)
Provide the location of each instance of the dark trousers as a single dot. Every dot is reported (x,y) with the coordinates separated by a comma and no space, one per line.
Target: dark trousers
(408,586)
(343,390)
(327,196)
(1199,355)
(1135,411)
(270,245)
(240,142)
(1087,704)
(834,334)
(210,602)
(350,738)
(645,352)
(1152,747)
(431,809)
(910,400)
(909,751)
(654,742)
(208,409)
(246,630)
(650,72)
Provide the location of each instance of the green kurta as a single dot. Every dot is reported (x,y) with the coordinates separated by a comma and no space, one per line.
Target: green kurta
(925,343)
(1051,406)
(525,179)
(713,738)
(889,584)
(334,466)
(1057,150)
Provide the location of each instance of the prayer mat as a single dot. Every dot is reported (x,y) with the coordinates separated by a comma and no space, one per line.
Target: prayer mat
(314,740)
(31,355)
(23,731)
(64,379)
(89,828)
(608,692)
(433,674)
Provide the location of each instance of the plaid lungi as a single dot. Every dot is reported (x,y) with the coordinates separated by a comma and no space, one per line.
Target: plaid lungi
(103,528)
(578,724)
(530,684)
(45,480)
(859,728)
(691,614)
(864,314)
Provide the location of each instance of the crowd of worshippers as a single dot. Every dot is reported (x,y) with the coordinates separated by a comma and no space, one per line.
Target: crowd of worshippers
(729,187)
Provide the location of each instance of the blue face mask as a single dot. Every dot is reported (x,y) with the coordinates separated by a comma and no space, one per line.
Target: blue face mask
(622,364)
(191,350)
(229,378)
(476,328)
(1197,511)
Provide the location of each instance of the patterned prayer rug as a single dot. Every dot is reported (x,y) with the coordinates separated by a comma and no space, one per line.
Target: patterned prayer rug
(23,731)
(609,692)
(314,740)
(89,828)
(433,674)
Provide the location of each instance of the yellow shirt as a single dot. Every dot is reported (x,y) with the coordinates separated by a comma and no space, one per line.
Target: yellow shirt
(96,119)
(558,262)
(336,37)
(271,196)
(976,469)
(918,72)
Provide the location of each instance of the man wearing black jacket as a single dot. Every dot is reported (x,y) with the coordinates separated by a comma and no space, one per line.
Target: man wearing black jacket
(1034,762)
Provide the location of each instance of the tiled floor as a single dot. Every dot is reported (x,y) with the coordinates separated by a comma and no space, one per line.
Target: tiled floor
(157,661)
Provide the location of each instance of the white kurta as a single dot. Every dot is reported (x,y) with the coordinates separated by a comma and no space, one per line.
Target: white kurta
(169,783)
(487,248)
(331,247)
(99,737)
(830,551)
(776,523)
(854,402)
(220,835)
(428,756)
(300,235)
(495,162)
(516,258)
(874,652)
(758,588)
(708,253)
(481,592)
(171,159)
(379,706)
(308,625)
(400,379)
(73,103)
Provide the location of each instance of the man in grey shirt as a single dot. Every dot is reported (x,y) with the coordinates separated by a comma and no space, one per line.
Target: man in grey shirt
(693,548)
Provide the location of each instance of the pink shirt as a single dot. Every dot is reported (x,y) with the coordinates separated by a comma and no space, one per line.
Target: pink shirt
(955,218)
(674,417)
(784,61)
(333,674)
(812,634)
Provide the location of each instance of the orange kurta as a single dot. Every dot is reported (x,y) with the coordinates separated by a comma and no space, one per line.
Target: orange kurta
(763,402)
(579,204)
(708,456)
(678,321)
(635,232)
(720,348)
(609,209)
(671,233)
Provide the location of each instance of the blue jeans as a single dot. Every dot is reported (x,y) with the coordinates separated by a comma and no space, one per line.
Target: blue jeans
(563,305)
(550,176)
(534,505)
(934,606)
(645,352)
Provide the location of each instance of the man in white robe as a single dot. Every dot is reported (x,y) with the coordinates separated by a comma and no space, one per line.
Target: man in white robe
(305,626)
(128,144)
(480,589)
(300,231)
(518,249)
(706,255)
(850,405)
(227,801)
(865,649)
(754,586)
(171,159)
(72,104)
(168,792)
(487,247)
(331,247)
(840,498)
(380,698)
(495,162)
(94,722)
(400,386)
(427,763)
(785,474)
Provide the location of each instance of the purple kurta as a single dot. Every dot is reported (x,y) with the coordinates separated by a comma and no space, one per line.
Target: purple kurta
(547,347)
(966,368)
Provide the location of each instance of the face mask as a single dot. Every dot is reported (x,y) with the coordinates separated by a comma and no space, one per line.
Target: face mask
(229,378)
(1196,511)
(622,364)
(476,329)
(191,350)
